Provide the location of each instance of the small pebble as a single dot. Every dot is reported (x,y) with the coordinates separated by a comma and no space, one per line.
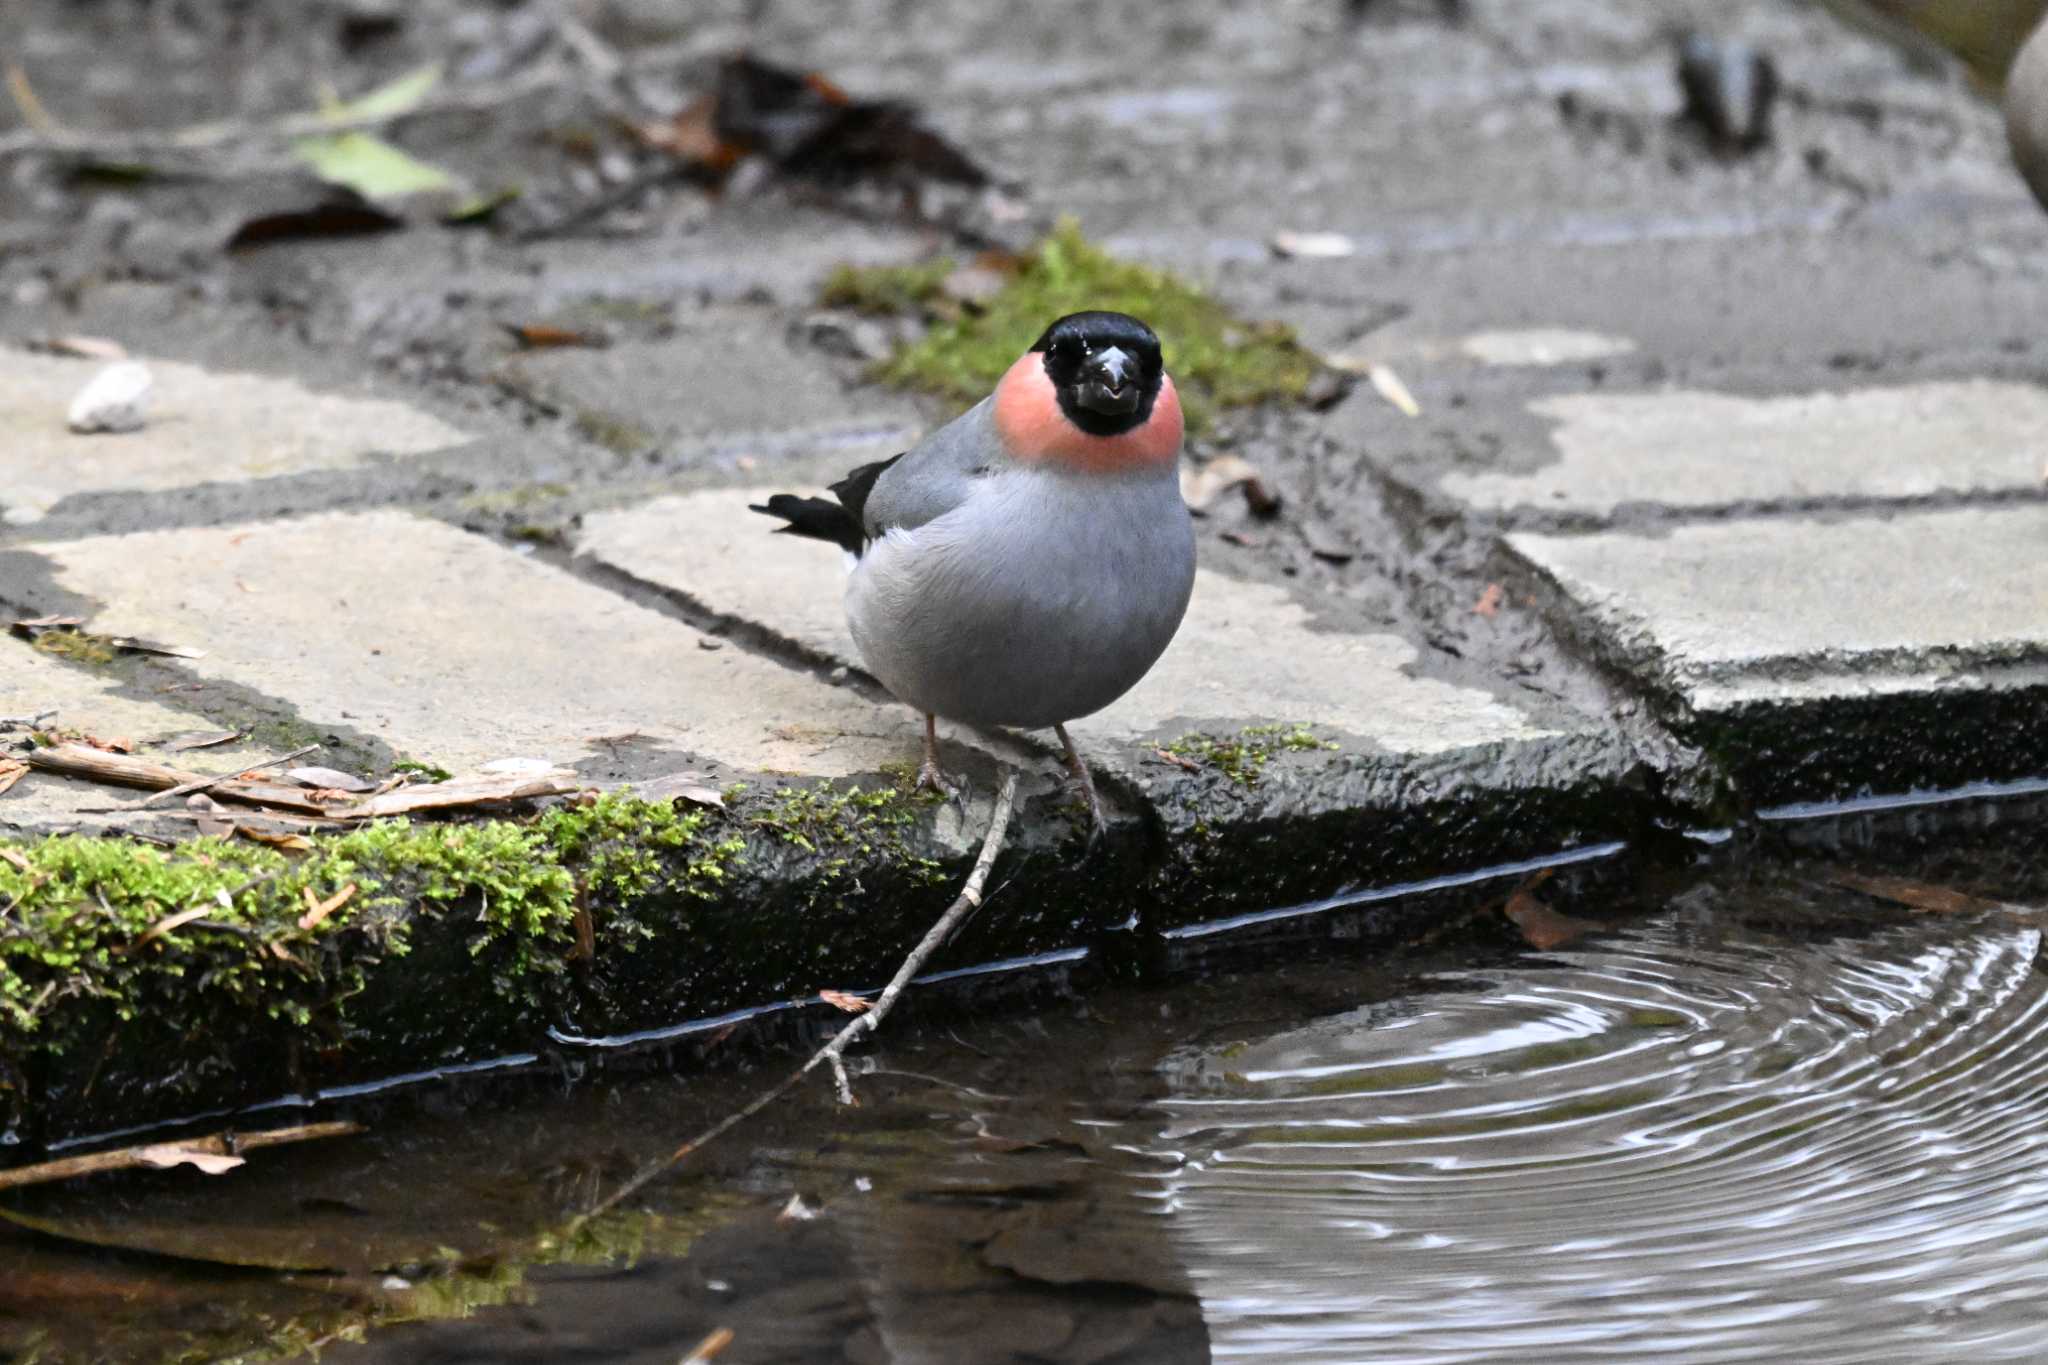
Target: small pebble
(115,399)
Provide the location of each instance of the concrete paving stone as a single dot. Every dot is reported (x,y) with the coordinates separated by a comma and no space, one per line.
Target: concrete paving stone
(729,373)
(1802,611)
(204,427)
(1689,449)
(93,702)
(1246,653)
(455,651)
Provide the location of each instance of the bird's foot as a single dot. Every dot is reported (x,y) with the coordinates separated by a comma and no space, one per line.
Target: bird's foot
(931,777)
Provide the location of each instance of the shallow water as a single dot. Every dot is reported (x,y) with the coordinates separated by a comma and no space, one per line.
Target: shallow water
(1754,1115)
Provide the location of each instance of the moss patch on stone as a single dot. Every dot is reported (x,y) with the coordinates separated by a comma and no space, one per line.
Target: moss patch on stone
(1216,358)
(848,826)
(1242,757)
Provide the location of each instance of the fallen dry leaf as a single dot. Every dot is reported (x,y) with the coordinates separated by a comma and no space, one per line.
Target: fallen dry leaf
(465,791)
(207,740)
(1313,245)
(11,772)
(136,646)
(1490,600)
(329,779)
(1388,385)
(287,840)
(19,863)
(164,1155)
(1542,927)
(31,626)
(1184,764)
(1200,486)
(117,744)
(317,910)
(540,336)
(1939,900)
(704,1351)
(840,1000)
(686,786)
(86,348)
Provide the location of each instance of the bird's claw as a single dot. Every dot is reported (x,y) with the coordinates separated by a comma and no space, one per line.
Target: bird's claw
(931,777)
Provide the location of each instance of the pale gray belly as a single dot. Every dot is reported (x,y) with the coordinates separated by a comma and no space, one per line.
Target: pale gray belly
(1030,606)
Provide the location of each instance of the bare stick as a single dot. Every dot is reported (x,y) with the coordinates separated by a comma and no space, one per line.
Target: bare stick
(968,899)
(186,789)
(129,1158)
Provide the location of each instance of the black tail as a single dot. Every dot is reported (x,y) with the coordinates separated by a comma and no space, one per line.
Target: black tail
(818,518)
(840,522)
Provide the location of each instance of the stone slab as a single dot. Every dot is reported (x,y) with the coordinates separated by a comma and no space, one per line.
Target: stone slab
(1246,653)
(729,374)
(1693,449)
(1801,610)
(93,702)
(456,651)
(204,427)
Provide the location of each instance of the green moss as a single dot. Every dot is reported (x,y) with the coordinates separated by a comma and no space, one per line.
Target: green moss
(501,501)
(425,772)
(1217,359)
(848,826)
(1243,756)
(80,647)
(615,434)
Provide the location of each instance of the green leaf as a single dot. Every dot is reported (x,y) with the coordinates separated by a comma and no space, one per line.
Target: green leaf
(369,165)
(388,100)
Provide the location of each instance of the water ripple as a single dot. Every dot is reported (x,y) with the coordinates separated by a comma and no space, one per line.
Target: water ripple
(1681,1142)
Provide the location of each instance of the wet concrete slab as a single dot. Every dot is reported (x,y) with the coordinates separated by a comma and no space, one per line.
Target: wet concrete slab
(1247,653)
(455,651)
(45,694)
(1688,449)
(1906,649)
(204,426)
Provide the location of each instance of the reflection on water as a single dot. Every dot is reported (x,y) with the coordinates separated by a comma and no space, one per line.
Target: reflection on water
(1685,1138)
(1772,1119)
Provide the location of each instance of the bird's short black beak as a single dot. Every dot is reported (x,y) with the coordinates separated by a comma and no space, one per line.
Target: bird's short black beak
(1109,383)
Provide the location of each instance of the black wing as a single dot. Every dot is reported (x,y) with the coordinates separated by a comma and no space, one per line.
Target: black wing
(839,522)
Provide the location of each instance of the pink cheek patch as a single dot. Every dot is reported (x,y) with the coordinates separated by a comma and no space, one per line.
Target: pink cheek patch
(1029,420)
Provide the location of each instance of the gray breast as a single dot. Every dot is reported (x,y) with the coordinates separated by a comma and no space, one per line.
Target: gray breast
(1040,598)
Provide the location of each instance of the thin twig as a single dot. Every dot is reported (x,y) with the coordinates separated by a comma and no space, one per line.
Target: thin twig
(968,899)
(188,788)
(128,1158)
(967,902)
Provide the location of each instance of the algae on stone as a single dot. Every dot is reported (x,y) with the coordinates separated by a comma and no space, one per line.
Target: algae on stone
(1243,756)
(1216,358)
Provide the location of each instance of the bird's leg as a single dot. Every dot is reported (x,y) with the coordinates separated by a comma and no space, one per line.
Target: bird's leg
(930,776)
(1086,782)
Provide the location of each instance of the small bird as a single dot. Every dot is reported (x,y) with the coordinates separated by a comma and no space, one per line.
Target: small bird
(1029,561)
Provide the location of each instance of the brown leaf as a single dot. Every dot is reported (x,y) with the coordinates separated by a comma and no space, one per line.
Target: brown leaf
(840,1000)
(288,840)
(133,645)
(461,792)
(19,863)
(164,1155)
(118,744)
(86,348)
(37,623)
(1490,600)
(1187,765)
(1542,927)
(205,740)
(1201,486)
(708,1349)
(693,137)
(538,336)
(329,779)
(11,772)
(317,910)
(1939,900)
